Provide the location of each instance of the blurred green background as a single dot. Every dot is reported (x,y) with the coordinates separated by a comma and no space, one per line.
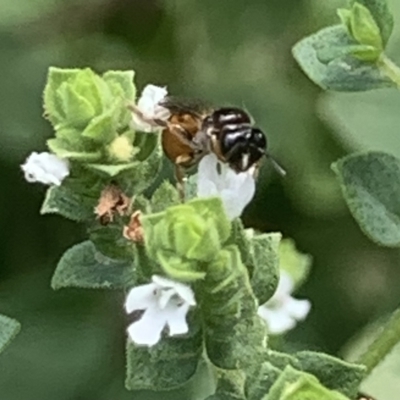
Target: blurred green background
(231,52)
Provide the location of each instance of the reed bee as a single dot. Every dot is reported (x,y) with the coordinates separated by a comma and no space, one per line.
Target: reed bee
(195,129)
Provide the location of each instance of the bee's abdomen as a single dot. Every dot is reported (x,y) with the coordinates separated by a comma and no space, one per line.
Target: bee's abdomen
(227,116)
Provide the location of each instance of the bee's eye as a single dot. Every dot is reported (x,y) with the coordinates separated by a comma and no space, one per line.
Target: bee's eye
(258,138)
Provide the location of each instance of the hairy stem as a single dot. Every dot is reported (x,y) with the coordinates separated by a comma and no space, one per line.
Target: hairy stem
(390,69)
(384,343)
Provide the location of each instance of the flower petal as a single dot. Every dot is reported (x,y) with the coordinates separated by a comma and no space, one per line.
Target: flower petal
(235,189)
(141,298)
(45,168)
(176,319)
(182,290)
(277,321)
(147,331)
(298,309)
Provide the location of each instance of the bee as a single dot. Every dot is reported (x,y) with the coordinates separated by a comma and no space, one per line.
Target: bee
(195,129)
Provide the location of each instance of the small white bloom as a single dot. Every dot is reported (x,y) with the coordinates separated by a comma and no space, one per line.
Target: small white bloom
(165,303)
(45,168)
(282,311)
(218,179)
(149,109)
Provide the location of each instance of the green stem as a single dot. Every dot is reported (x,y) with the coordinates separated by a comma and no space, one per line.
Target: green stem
(384,343)
(390,69)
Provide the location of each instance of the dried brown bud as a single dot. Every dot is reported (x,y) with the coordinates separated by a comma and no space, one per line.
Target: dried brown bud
(134,230)
(112,201)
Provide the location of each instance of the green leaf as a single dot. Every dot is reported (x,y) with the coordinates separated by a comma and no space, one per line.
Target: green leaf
(264,280)
(260,380)
(364,28)
(332,372)
(101,128)
(296,264)
(371,187)
(124,79)
(83,266)
(66,201)
(164,196)
(381,15)
(326,58)
(230,385)
(62,149)
(109,240)
(77,109)
(114,170)
(146,142)
(168,364)
(296,385)
(234,334)
(52,102)
(185,237)
(9,328)
(135,181)
(241,238)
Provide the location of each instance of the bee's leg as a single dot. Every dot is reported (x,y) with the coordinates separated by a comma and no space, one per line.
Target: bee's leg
(180,180)
(139,114)
(183,136)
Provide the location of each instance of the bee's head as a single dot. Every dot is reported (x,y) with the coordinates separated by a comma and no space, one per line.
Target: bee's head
(242,146)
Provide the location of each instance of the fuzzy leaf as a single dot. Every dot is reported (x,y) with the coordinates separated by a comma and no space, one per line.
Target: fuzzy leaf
(296,385)
(52,102)
(113,170)
(63,149)
(381,14)
(332,372)
(164,196)
(9,328)
(326,57)
(124,79)
(168,364)
(109,241)
(101,128)
(266,265)
(65,201)
(260,380)
(364,28)
(234,334)
(230,386)
(371,187)
(77,108)
(82,266)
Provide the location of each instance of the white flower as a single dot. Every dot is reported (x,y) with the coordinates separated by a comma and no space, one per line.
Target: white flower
(282,311)
(148,109)
(218,179)
(165,303)
(45,168)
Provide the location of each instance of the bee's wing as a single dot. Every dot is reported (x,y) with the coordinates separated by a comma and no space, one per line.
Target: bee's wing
(194,107)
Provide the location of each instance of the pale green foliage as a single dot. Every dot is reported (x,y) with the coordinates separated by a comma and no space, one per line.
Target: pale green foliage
(326,57)
(295,385)
(347,57)
(371,188)
(9,328)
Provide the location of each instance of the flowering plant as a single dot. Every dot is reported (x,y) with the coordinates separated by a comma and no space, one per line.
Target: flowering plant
(200,288)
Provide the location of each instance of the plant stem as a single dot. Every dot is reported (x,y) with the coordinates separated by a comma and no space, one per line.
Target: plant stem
(390,69)
(384,343)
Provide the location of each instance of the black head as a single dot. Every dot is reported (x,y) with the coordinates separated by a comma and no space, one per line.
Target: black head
(242,146)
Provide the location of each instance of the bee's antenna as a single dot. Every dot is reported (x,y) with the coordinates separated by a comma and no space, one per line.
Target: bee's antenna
(280,170)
